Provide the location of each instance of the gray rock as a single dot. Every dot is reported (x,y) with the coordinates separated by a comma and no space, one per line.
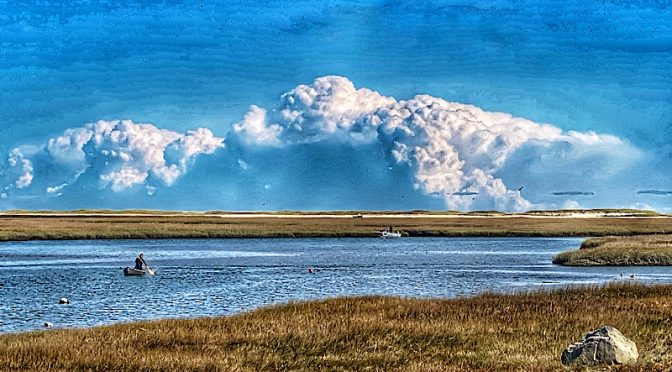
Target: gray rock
(603,346)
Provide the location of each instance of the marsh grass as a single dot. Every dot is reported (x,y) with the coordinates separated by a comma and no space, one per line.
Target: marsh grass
(486,332)
(647,250)
(31,227)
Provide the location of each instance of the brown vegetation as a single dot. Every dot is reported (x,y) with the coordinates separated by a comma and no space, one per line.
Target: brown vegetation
(648,250)
(487,332)
(26,227)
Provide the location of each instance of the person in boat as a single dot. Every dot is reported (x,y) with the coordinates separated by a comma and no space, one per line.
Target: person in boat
(140,262)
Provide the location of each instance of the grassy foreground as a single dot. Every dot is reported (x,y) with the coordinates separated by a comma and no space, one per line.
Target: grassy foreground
(648,250)
(486,332)
(58,227)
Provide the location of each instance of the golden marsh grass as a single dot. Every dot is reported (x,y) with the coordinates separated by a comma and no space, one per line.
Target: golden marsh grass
(486,332)
(60,227)
(646,250)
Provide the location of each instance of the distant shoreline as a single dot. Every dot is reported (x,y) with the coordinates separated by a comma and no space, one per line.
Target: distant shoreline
(81,225)
(578,213)
(335,216)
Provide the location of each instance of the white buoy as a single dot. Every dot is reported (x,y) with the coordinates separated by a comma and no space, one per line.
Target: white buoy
(48,325)
(63,301)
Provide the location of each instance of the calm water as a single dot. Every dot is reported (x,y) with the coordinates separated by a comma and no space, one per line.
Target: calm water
(219,277)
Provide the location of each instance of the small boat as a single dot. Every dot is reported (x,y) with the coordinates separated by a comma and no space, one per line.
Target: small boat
(389,233)
(129,271)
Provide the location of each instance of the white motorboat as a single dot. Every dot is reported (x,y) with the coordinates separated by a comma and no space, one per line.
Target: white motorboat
(389,234)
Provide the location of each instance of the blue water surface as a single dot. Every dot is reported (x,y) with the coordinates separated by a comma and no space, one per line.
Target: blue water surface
(226,276)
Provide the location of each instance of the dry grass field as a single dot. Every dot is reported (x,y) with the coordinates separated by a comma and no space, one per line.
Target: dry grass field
(487,332)
(646,250)
(27,227)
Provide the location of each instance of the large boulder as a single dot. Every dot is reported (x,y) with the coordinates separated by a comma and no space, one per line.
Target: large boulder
(603,346)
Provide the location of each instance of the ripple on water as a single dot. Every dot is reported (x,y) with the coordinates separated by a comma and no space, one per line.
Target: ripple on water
(220,277)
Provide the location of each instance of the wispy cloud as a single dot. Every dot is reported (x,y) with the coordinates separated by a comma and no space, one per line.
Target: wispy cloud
(655,192)
(573,193)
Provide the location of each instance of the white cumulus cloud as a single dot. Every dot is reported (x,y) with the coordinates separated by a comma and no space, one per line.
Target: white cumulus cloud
(451,153)
(124,178)
(22,169)
(329,108)
(571,204)
(453,149)
(120,152)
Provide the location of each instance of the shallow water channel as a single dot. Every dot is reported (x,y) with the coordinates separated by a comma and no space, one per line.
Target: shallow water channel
(226,276)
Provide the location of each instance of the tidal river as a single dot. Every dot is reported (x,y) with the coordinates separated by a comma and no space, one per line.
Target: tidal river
(221,277)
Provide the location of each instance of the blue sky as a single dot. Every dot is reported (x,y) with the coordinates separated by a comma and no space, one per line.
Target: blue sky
(603,67)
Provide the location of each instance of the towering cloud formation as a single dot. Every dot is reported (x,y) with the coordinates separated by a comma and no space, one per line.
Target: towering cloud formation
(454,155)
(331,108)
(453,149)
(121,154)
